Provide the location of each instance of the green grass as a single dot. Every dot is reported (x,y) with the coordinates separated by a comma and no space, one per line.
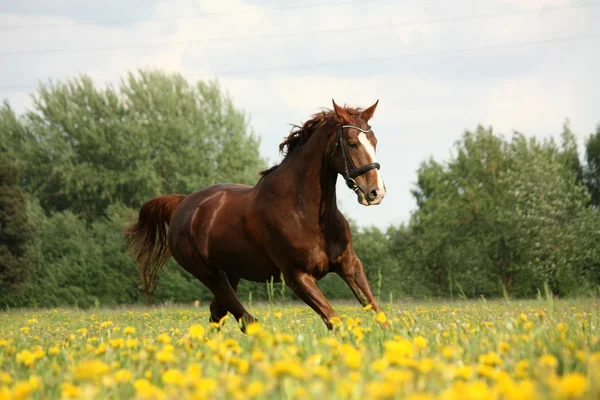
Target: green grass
(460,349)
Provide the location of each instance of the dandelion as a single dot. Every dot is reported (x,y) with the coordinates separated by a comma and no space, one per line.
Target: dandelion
(129,330)
(26,358)
(196,331)
(70,391)
(381,317)
(174,377)
(253,329)
(420,342)
(573,385)
(91,369)
(548,360)
(255,388)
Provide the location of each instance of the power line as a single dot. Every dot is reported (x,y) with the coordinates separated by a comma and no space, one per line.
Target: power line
(188,16)
(374,59)
(295,34)
(407,55)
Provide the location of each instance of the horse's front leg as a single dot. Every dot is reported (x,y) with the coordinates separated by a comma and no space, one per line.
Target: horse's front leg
(305,286)
(353,273)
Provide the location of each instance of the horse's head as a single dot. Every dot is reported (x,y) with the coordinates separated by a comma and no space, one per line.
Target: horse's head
(353,154)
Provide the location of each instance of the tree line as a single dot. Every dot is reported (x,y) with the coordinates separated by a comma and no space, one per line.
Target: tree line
(503,216)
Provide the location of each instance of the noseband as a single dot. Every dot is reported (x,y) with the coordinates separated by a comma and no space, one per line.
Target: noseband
(350,175)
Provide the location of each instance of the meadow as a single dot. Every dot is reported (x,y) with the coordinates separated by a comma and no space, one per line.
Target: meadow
(455,350)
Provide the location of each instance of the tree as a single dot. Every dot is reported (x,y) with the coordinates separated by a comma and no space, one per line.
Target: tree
(85,148)
(592,174)
(502,214)
(15,230)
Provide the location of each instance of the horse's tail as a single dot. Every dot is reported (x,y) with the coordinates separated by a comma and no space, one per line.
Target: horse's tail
(146,240)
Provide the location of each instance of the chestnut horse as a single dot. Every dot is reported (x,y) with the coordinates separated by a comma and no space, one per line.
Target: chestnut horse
(287,225)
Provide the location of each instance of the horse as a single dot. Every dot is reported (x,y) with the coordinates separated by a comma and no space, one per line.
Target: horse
(286,225)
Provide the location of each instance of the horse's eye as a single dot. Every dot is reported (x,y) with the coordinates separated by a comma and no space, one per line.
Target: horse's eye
(353,145)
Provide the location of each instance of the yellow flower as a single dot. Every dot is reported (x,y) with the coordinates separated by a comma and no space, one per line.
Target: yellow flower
(5,393)
(163,338)
(70,391)
(420,396)
(548,360)
(504,347)
(381,317)
(196,331)
(490,358)
(523,317)
(397,349)
(523,390)
(129,330)
(447,352)
(145,390)
(352,358)
(420,342)
(573,385)
(106,324)
(24,329)
(381,389)
(174,377)
(26,358)
(287,367)
(91,369)
(165,356)
(399,375)
(379,364)
(5,378)
(253,329)
(255,389)
(123,375)
(465,372)
(368,307)
(522,369)
(277,315)
(257,355)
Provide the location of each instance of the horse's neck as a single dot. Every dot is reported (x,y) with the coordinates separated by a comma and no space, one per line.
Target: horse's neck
(313,180)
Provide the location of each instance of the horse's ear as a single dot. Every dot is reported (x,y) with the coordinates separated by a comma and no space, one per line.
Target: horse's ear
(368,113)
(341,113)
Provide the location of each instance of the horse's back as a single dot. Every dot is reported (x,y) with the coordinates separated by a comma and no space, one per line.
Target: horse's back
(220,221)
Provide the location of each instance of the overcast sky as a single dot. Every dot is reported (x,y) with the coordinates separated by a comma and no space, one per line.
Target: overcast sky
(438,68)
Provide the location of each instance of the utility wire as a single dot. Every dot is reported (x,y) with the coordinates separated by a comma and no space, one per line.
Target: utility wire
(190,16)
(375,59)
(408,55)
(292,34)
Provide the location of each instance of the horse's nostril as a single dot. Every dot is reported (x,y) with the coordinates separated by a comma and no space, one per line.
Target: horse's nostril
(373,194)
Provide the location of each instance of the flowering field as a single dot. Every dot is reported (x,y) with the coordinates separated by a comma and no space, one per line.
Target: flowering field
(461,350)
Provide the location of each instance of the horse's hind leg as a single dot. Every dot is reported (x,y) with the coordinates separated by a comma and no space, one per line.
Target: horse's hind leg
(218,283)
(217,311)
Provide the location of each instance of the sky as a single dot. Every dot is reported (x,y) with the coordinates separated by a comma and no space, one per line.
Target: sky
(438,68)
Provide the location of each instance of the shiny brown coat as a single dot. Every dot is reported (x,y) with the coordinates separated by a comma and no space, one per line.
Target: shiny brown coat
(287,224)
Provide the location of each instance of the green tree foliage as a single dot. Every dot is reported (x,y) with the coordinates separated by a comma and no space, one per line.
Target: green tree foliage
(89,157)
(592,174)
(15,230)
(500,213)
(85,148)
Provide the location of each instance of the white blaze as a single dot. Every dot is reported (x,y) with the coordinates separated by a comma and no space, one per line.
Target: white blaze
(364,140)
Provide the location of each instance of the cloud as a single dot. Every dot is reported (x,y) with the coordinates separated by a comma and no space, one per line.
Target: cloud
(428,96)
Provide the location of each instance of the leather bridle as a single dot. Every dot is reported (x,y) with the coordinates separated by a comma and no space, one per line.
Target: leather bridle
(351,174)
